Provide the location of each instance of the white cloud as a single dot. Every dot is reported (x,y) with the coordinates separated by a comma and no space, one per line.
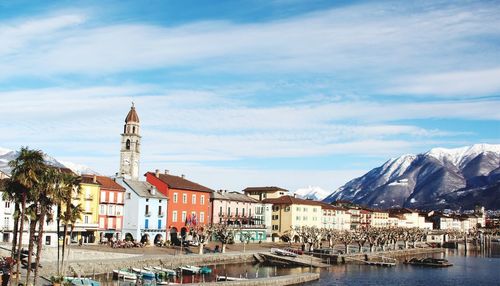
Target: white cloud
(366,40)
(477,82)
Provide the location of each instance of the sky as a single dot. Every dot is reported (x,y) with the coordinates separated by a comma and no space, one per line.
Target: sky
(233,94)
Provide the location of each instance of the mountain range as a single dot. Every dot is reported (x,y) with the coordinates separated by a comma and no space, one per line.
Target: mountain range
(438,179)
(312,193)
(7,155)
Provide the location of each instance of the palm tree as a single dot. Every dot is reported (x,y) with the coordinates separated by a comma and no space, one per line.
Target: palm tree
(46,201)
(75,215)
(70,186)
(26,170)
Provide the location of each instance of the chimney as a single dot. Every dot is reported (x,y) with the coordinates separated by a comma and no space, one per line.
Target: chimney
(166,172)
(183,176)
(94,179)
(157,173)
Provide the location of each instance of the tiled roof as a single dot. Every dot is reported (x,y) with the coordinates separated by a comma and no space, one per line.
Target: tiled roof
(233,196)
(264,189)
(132,116)
(109,184)
(144,189)
(89,179)
(289,200)
(176,182)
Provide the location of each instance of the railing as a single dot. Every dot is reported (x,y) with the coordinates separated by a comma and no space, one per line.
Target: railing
(162,214)
(147,214)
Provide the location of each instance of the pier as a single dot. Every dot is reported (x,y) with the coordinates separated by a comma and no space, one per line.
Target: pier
(301,260)
(285,280)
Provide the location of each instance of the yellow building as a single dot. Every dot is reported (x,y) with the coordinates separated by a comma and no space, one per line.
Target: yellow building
(379,218)
(86,227)
(289,212)
(262,193)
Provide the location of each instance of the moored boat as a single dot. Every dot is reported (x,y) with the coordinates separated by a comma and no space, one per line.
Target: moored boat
(429,262)
(205,270)
(124,274)
(75,281)
(167,271)
(229,278)
(189,269)
(282,252)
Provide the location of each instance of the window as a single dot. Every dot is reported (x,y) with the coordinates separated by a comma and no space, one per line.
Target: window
(174,216)
(147,210)
(110,223)
(228,211)
(298,209)
(184,198)
(47,240)
(220,211)
(175,197)
(193,199)
(146,223)
(275,227)
(103,196)
(101,222)
(184,216)
(159,224)
(119,198)
(202,217)
(243,212)
(315,209)
(111,210)
(6,222)
(287,209)
(159,210)
(119,210)
(276,208)
(304,218)
(111,197)
(304,209)
(236,211)
(128,196)
(275,217)
(127,145)
(102,209)
(86,219)
(202,199)
(297,218)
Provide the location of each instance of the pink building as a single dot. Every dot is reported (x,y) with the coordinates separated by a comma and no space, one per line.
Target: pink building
(240,211)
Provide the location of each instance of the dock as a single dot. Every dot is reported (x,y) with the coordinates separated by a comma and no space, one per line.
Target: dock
(285,280)
(301,260)
(374,260)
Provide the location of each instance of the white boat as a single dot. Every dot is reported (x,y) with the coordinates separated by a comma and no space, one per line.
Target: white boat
(124,274)
(282,252)
(170,272)
(144,273)
(190,269)
(229,278)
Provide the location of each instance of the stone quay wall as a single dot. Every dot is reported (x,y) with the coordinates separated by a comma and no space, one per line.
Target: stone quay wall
(103,266)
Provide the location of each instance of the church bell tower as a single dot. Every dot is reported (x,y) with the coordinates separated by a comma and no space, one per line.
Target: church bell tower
(130,147)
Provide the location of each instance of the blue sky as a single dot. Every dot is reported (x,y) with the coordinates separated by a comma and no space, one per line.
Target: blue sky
(243,93)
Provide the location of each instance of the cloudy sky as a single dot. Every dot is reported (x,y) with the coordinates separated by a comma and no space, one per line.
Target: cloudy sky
(235,94)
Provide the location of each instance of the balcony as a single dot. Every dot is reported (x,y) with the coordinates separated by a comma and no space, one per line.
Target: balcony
(162,214)
(88,198)
(147,214)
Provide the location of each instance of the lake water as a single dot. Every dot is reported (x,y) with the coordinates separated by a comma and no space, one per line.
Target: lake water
(477,268)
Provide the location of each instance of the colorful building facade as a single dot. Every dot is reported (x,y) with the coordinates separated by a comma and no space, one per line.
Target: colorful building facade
(111,206)
(188,204)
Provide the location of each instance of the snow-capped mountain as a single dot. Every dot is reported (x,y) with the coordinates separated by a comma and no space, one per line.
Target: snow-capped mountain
(7,155)
(312,193)
(439,178)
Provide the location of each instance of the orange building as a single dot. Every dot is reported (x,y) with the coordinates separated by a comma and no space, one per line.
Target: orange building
(111,202)
(188,203)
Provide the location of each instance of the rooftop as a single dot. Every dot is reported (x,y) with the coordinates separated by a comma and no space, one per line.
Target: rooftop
(289,200)
(108,183)
(264,189)
(176,182)
(144,189)
(233,196)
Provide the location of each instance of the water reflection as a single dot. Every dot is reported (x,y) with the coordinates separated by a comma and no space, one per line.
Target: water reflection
(478,267)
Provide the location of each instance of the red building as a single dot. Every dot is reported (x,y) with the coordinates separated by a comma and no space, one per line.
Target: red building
(111,201)
(188,203)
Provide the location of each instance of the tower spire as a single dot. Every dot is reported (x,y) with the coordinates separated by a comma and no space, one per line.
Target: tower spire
(130,146)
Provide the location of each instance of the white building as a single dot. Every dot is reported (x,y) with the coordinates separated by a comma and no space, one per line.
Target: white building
(145,212)
(335,217)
